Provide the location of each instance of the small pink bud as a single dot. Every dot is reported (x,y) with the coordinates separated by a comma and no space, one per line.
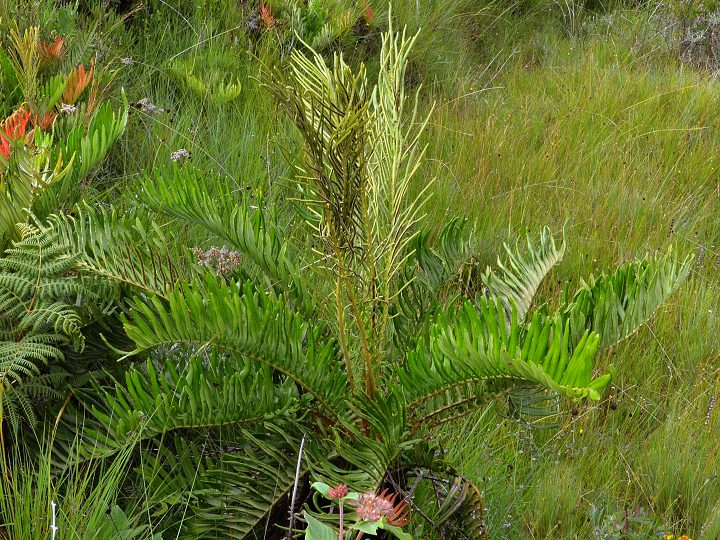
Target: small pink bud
(338,492)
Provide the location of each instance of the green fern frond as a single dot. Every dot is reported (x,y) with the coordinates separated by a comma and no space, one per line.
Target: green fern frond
(236,319)
(616,305)
(520,276)
(330,108)
(479,355)
(226,491)
(37,285)
(124,248)
(39,298)
(154,400)
(212,204)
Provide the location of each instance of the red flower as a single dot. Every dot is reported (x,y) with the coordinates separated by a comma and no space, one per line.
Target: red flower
(368,12)
(13,128)
(266,16)
(338,492)
(46,122)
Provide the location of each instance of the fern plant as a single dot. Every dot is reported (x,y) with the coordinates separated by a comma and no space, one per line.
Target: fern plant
(330,352)
(40,292)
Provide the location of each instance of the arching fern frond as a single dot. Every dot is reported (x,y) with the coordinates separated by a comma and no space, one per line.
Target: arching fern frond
(124,248)
(237,319)
(38,288)
(154,400)
(616,305)
(479,354)
(213,205)
(520,276)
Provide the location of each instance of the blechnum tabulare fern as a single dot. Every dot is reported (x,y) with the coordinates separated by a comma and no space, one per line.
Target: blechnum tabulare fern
(330,354)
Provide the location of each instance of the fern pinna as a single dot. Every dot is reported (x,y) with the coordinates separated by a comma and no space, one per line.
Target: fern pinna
(332,347)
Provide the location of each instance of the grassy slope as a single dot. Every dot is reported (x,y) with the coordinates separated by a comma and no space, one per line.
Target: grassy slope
(609,134)
(605,132)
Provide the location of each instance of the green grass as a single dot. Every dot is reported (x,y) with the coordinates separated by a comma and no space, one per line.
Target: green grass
(604,133)
(611,136)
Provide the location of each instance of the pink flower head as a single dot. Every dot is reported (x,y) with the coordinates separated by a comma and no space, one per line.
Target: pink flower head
(372,507)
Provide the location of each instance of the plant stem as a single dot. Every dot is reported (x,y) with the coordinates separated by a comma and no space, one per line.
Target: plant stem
(341,324)
(342,522)
(369,375)
(295,486)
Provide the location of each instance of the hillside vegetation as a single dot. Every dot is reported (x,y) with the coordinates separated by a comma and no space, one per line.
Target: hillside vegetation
(340,269)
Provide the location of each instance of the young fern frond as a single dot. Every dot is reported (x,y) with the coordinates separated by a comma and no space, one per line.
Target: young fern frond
(330,108)
(24,57)
(394,136)
(520,276)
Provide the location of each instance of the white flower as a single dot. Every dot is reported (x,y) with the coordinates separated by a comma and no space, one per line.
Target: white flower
(148,107)
(180,156)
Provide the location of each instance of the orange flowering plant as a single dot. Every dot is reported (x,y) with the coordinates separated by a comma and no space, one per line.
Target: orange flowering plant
(46,145)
